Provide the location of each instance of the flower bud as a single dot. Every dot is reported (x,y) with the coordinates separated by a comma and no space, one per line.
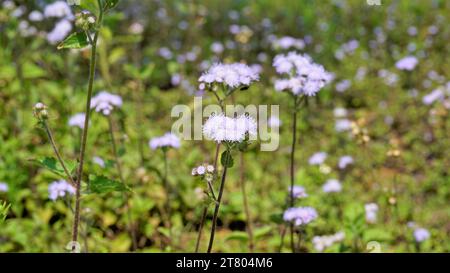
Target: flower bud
(40,111)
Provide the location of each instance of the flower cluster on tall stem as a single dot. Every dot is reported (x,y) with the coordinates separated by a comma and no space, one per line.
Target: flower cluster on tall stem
(301,78)
(222,80)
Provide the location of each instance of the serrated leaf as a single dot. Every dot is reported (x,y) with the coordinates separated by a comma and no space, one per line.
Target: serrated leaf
(75,40)
(226,159)
(237,236)
(53,165)
(102,184)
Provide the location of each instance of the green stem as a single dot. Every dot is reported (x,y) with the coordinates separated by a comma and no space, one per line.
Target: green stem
(84,136)
(219,199)
(251,243)
(58,155)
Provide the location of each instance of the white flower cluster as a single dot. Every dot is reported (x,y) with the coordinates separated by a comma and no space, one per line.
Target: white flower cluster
(408,63)
(203,169)
(105,102)
(77,120)
(59,189)
(222,128)
(332,185)
(322,242)
(298,192)
(371,212)
(300,216)
(305,76)
(167,140)
(232,75)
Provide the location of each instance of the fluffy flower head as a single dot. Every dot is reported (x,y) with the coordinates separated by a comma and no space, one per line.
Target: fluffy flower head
(222,128)
(105,102)
(167,140)
(232,75)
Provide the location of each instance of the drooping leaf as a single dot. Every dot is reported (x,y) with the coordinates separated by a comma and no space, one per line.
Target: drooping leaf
(226,159)
(102,184)
(75,40)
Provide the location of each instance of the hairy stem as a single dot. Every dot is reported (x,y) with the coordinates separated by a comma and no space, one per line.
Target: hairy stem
(58,155)
(219,199)
(292,169)
(205,210)
(84,136)
(126,196)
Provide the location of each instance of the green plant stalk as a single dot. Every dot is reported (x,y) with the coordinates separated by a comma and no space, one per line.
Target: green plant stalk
(57,153)
(84,136)
(251,242)
(219,199)
(292,168)
(126,196)
(205,210)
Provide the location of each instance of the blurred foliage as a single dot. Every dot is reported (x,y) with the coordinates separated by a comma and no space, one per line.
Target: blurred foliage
(413,187)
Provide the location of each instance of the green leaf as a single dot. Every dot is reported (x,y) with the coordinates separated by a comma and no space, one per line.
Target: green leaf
(74,40)
(237,236)
(102,184)
(4,208)
(262,231)
(164,231)
(53,165)
(90,5)
(226,162)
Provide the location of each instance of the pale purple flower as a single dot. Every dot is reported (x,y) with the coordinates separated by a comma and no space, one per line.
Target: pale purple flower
(344,161)
(340,112)
(300,215)
(77,120)
(3,187)
(105,102)
(288,42)
(36,16)
(322,242)
(166,141)
(99,161)
(435,95)
(298,192)
(407,63)
(343,85)
(58,9)
(217,47)
(371,212)
(165,52)
(342,125)
(421,235)
(59,189)
(60,31)
(317,158)
(332,185)
(304,76)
